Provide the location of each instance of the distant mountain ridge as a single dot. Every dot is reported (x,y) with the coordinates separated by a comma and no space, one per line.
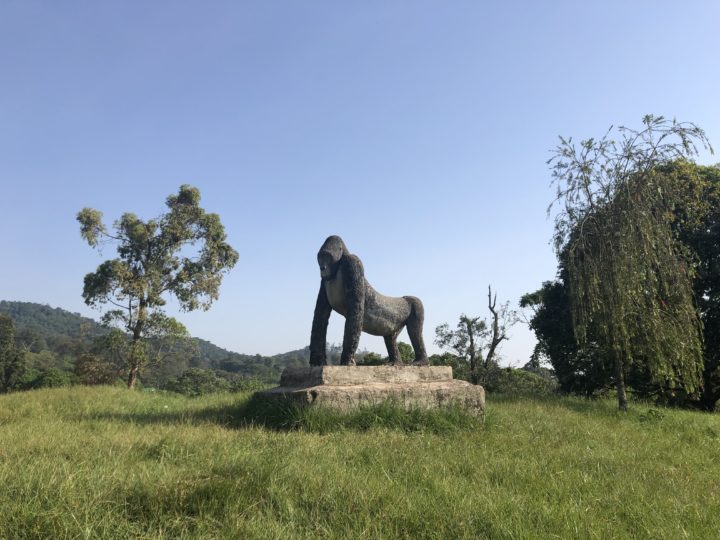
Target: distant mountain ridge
(40,328)
(50,322)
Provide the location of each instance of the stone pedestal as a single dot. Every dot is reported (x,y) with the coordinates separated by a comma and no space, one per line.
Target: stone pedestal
(347,387)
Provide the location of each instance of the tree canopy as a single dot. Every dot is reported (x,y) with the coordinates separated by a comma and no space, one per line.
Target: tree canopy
(629,277)
(182,253)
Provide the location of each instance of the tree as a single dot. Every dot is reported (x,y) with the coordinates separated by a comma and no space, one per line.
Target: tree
(460,366)
(12,359)
(407,353)
(475,340)
(629,278)
(197,381)
(697,223)
(182,253)
(582,370)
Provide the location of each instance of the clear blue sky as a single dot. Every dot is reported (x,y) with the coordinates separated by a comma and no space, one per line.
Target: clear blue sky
(418,131)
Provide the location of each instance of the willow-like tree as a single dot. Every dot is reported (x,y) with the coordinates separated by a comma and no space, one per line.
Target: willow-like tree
(630,281)
(182,253)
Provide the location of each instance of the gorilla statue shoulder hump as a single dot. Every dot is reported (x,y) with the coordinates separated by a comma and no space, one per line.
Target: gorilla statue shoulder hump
(343,288)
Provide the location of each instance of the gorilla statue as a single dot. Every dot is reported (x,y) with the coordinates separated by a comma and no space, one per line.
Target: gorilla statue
(343,288)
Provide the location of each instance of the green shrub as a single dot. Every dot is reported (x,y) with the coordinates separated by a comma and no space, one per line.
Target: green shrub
(47,378)
(516,381)
(198,382)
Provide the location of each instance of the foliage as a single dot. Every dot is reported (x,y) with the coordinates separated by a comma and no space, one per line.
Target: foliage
(154,260)
(12,359)
(697,224)
(588,369)
(90,462)
(517,382)
(40,327)
(197,382)
(33,379)
(52,378)
(407,353)
(460,366)
(92,369)
(475,340)
(629,279)
(366,358)
(372,359)
(583,370)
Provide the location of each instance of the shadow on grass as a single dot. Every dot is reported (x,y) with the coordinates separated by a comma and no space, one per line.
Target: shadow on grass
(286,415)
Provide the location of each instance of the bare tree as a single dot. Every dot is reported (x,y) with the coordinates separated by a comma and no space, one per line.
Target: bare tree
(477,340)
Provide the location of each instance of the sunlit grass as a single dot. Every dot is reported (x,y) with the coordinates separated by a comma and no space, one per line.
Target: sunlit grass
(108,463)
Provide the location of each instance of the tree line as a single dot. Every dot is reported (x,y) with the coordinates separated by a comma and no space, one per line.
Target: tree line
(635,306)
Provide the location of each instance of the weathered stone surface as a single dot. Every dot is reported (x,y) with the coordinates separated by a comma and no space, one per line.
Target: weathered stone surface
(353,375)
(347,387)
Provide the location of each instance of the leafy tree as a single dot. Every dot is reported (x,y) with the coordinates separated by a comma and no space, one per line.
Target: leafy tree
(629,278)
(12,359)
(372,359)
(517,382)
(466,342)
(154,260)
(91,369)
(460,367)
(697,223)
(407,353)
(198,381)
(52,378)
(475,340)
(583,370)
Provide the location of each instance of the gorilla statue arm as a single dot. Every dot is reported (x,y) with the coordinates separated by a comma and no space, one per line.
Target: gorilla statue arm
(354,285)
(343,284)
(318,337)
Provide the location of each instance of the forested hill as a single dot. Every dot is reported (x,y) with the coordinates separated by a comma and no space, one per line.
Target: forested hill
(52,334)
(36,324)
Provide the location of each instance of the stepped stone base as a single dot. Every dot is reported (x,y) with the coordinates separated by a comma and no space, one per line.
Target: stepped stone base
(347,387)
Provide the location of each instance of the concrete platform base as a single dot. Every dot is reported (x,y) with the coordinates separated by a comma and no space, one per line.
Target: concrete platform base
(347,387)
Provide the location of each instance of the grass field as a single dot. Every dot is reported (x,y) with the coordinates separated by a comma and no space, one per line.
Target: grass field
(108,463)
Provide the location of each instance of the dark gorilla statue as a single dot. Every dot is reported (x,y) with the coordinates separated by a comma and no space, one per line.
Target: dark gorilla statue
(343,288)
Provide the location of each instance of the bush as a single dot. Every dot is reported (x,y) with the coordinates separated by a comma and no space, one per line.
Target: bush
(91,370)
(48,378)
(198,381)
(516,381)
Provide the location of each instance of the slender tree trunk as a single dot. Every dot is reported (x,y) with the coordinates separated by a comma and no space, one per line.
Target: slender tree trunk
(135,352)
(620,385)
(132,377)
(496,337)
(474,377)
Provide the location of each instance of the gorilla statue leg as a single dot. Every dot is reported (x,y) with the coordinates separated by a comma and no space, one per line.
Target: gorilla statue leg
(392,349)
(414,328)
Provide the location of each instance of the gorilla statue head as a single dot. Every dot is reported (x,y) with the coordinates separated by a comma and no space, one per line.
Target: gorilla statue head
(329,256)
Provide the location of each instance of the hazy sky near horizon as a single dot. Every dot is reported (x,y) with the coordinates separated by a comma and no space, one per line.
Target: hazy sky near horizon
(416,130)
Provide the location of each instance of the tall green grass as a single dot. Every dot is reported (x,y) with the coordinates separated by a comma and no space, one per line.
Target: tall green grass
(108,463)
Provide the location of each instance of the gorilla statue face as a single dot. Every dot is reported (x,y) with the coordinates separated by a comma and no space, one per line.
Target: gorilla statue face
(329,256)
